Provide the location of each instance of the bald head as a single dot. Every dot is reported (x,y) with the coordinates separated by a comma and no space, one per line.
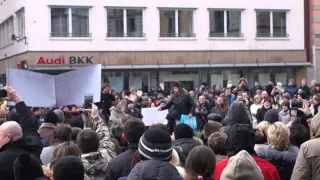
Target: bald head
(12,130)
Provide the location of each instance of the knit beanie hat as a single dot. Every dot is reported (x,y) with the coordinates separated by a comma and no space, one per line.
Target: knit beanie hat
(183,131)
(155,144)
(271,116)
(27,167)
(242,167)
(68,167)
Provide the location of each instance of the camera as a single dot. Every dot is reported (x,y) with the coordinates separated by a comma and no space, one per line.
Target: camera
(296,104)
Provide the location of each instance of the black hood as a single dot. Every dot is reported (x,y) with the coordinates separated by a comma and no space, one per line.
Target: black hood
(236,114)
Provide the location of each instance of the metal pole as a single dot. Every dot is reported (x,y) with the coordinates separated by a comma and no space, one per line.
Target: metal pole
(314,61)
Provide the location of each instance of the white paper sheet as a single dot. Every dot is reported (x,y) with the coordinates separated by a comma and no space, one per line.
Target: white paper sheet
(36,89)
(42,90)
(153,116)
(71,87)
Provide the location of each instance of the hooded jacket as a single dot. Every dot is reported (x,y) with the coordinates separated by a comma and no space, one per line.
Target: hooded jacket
(237,114)
(116,115)
(308,160)
(243,87)
(154,169)
(46,131)
(242,167)
(96,163)
(283,160)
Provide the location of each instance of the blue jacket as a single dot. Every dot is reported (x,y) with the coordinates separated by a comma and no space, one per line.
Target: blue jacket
(292,90)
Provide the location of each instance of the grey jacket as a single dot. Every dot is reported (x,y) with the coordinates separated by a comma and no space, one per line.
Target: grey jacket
(46,154)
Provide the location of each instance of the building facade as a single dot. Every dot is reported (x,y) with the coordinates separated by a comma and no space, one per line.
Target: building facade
(315,35)
(144,43)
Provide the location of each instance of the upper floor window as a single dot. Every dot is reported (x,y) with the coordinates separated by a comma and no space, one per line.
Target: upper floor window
(70,22)
(225,23)
(6,31)
(125,22)
(176,23)
(21,23)
(271,23)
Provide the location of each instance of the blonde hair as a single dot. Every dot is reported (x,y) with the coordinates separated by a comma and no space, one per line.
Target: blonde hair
(279,84)
(263,126)
(257,97)
(133,89)
(278,135)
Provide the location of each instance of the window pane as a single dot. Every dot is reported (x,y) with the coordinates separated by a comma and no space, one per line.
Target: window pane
(279,24)
(185,23)
(21,23)
(234,23)
(59,22)
(263,24)
(216,23)
(80,22)
(134,23)
(167,23)
(115,22)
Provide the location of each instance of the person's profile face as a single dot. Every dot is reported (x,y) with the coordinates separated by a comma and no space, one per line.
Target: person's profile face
(65,109)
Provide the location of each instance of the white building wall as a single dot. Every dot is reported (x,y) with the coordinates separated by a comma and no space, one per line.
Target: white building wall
(38,26)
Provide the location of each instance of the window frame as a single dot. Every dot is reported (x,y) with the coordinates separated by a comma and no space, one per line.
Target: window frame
(6,32)
(21,23)
(271,34)
(124,20)
(225,33)
(70,24)
(176,28)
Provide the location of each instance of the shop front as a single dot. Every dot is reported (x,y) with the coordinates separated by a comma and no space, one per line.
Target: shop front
(144,70)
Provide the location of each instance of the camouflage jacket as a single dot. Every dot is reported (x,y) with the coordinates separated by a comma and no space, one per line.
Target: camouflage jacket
(96,163)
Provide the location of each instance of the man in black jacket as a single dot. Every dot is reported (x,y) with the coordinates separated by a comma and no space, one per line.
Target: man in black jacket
(16,139)
(106,101)
(120,166)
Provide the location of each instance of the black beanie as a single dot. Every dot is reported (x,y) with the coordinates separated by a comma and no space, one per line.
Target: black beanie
(27,167)
(51,117)
(271,116)
(155,144)
(67,168)
(183,131)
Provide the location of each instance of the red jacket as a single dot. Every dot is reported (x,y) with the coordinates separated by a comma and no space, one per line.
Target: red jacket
(268,170)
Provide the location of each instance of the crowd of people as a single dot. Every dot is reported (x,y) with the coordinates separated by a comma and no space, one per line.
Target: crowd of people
(241,133)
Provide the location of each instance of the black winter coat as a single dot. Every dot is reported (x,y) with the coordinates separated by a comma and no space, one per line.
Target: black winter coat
(154,169)
(30,143)
(120,166)
(106,103)
(182,104)
(260,113)
(136,113)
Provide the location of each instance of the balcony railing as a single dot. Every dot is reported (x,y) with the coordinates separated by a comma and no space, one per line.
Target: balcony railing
(126,34)
(63,34)
(226,35)
(177,34)
(274,35)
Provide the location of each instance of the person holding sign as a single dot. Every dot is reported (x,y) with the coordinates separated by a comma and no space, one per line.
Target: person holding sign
(182,104)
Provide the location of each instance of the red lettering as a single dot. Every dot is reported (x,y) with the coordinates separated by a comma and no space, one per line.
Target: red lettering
(41,61)
(59,60)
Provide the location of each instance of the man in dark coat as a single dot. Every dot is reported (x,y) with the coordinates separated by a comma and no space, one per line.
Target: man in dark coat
(16,139)
(182,103)
(120,166)
(106,101)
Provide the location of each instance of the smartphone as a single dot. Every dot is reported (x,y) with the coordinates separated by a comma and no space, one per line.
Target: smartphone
(3,93)
(88,100)
(296,104)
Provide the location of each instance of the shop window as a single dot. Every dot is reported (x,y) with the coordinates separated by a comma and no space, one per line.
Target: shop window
(114,79)
(140,80)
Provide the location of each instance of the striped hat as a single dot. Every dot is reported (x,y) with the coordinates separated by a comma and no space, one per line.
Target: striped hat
(155,144)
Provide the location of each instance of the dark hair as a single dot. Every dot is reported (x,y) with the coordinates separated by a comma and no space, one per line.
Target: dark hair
(211,127)
(88,141)
(116,131)
(201,161)
(218,143)
(133,130)
(115,103)
(51,117)
(75,132)
(285,103)
(160,126)
(298,134)
(62,133)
